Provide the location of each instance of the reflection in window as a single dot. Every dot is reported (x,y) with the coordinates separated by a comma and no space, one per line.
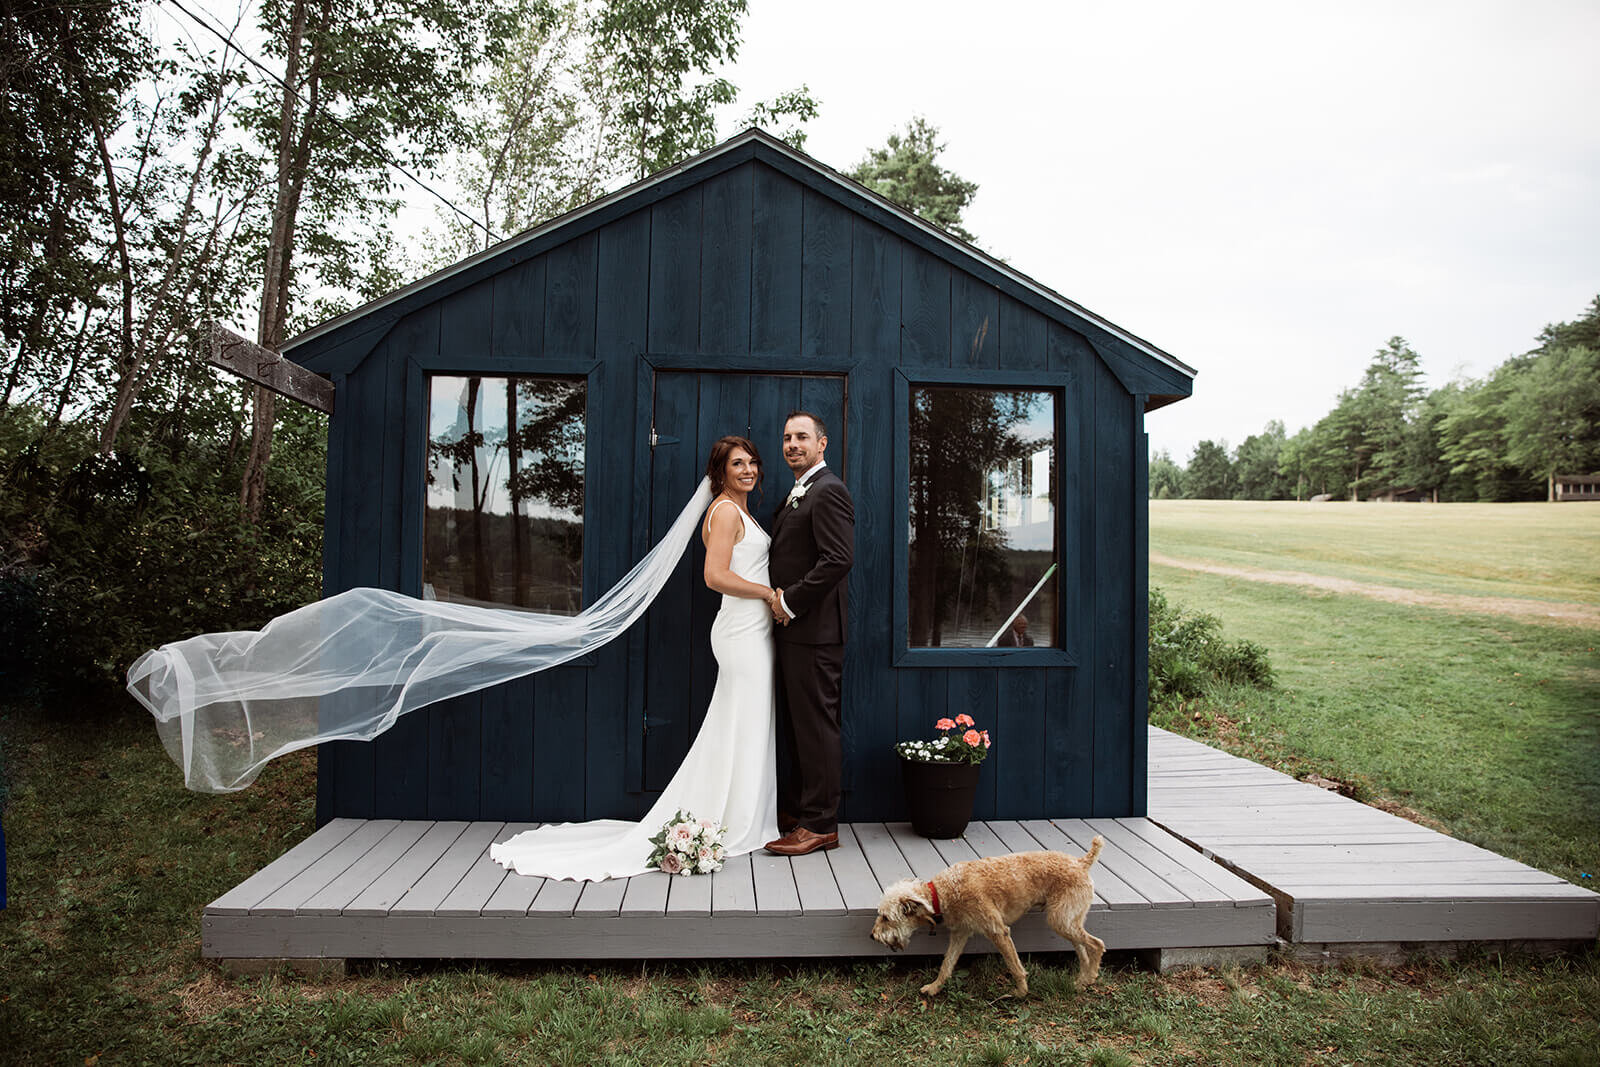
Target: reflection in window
(504,514)
(983,529)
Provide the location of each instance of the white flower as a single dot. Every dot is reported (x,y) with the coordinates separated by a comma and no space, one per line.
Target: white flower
(797,492)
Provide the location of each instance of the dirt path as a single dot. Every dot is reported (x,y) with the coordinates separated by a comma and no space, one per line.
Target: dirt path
(1545,611)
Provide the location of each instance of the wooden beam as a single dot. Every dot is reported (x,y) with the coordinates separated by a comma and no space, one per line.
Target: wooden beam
(263,366)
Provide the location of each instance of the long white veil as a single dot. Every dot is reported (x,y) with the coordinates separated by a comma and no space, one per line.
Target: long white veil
(347,667)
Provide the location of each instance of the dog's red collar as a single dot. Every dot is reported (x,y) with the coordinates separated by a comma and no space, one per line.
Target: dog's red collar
(937,917)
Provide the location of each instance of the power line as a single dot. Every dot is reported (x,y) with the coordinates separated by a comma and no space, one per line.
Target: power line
(379,150)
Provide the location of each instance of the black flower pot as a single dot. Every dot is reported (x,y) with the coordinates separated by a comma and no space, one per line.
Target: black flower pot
(940,796)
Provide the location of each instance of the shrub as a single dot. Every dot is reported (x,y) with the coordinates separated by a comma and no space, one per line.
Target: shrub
(109,556)
(1188,655)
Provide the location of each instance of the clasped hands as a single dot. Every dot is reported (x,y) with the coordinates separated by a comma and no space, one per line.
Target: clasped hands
(775,602)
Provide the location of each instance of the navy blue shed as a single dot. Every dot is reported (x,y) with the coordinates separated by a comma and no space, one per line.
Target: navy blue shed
(520,427)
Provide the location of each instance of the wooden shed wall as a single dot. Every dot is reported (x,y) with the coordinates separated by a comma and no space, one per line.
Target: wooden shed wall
(746,267)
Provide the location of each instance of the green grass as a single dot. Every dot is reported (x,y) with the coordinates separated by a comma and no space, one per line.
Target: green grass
(1532,551)
(1485,725)
(1490,727)
(112,862)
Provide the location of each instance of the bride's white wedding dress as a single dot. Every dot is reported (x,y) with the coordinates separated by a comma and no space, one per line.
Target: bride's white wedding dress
(730,773)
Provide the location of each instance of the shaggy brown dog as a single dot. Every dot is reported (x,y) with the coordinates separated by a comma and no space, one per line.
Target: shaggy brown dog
(985,897)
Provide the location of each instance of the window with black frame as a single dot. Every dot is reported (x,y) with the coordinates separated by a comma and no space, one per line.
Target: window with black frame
(503,520)
(983,551)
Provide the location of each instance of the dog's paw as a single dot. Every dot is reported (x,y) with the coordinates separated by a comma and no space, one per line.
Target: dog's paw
(931,989)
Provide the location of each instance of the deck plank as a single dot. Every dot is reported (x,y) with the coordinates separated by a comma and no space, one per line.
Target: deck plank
(557,897)
(1114,861)
(604,898)
(775,889)
(884,858)
(286,899)
(379,897)
(253,890)
(814,883)
(646,895)
(1109,889)
(853,874)
(733,889)
(432,888)
(511,895)
(484,877)
(690,896)
(922,855)
(984,839)
(332,898)
(1123,836)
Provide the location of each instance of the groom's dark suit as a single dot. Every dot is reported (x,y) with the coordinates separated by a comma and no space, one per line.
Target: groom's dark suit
(813,545)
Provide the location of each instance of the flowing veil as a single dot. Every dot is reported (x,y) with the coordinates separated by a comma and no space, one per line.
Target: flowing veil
(345,668)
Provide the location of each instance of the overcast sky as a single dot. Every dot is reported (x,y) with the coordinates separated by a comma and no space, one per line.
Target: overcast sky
(1267,191)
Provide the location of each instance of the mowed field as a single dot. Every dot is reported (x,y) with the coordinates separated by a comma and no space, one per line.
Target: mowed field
(1440,658)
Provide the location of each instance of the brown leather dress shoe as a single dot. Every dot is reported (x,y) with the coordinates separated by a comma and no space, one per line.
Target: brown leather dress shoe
(800,841)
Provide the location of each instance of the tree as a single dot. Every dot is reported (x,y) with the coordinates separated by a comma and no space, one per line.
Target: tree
(1210,474)
(1384,404)
(907,172)
(653,50)
(1256,465)
(1552,414)
(365,82)
(1166,477)
(64,71)
(564,119)
(1473,436)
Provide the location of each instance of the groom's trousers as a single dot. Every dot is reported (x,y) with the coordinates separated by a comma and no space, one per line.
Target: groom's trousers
(811,678)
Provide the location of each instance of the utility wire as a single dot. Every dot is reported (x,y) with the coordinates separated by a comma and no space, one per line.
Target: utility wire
(383,153)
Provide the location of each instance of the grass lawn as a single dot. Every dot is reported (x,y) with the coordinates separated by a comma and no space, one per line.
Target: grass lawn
(1485,725)
(1533,551)
(111,862)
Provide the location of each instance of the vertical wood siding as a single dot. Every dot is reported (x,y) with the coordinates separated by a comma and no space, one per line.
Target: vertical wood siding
(746,266)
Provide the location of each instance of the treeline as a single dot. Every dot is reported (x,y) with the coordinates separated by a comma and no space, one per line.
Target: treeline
(1500,438)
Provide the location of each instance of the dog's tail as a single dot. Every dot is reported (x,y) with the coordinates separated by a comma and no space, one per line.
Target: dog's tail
(1094,851)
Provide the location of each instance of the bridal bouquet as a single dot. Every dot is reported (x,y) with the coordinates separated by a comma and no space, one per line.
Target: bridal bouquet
(686,845)
(969,746)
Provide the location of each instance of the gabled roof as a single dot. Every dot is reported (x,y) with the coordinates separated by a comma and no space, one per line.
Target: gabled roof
(341,343)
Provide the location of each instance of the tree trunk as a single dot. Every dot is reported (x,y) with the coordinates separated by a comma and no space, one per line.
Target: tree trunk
(293,162)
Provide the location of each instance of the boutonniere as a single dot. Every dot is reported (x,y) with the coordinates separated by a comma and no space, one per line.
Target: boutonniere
(796,493)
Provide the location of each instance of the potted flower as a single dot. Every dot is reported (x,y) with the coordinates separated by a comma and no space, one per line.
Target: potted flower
(941,776)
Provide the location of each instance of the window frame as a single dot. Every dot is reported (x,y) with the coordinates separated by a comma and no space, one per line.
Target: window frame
(415,503)
(1059,385)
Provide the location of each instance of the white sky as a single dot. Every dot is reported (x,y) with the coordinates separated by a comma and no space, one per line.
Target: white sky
(1268,191)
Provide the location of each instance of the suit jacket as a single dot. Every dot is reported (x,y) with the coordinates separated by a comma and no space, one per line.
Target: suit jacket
(813,546)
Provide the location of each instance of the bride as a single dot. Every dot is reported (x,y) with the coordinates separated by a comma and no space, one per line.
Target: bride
(730,773)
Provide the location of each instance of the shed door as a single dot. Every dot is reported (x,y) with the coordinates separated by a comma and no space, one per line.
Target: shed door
(689,411)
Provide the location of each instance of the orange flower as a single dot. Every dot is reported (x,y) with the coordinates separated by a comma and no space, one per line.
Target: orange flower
(965,720)
(971,737)
(944,724)
(986,739)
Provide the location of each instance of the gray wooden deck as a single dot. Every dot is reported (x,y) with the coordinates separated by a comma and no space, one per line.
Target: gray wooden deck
(1233,855)
(383,888)
(1343,872)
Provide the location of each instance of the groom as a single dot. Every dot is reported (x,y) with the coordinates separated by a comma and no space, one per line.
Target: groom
(813,545)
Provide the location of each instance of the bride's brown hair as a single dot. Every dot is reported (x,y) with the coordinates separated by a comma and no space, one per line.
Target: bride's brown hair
(717,465)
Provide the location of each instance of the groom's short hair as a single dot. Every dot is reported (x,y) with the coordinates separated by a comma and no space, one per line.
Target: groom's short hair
(822,427)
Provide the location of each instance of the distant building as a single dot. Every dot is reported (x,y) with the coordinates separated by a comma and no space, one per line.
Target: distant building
(1576,487)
